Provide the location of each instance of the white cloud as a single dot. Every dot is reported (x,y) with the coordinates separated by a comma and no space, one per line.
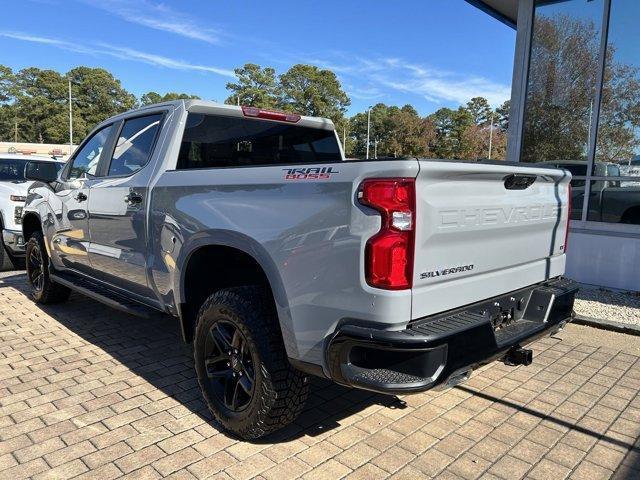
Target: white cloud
(434,84)
(437,85)
(123,53)
(26,37)
(127,53)
(364,93)
(159,17)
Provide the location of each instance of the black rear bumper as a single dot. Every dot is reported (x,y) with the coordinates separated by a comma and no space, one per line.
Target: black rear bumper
(439,349)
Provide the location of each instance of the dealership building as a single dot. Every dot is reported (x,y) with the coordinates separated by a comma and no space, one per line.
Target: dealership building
(575,103)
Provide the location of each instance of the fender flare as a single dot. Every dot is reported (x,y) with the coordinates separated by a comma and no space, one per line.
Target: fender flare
(29,214)
(245,244)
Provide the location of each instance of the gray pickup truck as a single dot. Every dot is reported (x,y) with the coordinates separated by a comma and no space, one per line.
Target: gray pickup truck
(612,197)
(281,259)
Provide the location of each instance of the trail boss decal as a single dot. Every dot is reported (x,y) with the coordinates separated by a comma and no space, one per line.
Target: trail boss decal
(311,173)
(446,271)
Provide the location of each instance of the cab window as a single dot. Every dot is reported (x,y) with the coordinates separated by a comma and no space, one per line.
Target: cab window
(134,146)
(85,162)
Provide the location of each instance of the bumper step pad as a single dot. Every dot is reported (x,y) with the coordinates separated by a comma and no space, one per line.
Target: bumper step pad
(432,349)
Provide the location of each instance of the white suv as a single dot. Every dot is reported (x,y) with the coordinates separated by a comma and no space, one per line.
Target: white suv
(13,193)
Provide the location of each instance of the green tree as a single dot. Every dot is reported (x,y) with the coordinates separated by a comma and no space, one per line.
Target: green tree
(256,87)
(7,110)
(480,110)
(309,90)
(450,126)
(459,134)
(7,82)
(150,98)
(380,130)
(37,101)
(502,115)
(97,96)
(399,132)
(410,134)
(40,105)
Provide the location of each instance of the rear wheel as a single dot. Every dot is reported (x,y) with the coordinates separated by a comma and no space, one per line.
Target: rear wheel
(631,216)
(241,363)
(43,289)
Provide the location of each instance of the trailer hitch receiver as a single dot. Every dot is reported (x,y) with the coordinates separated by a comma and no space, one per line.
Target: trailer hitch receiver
(519,356)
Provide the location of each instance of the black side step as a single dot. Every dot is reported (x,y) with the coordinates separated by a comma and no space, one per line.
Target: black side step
(104,295)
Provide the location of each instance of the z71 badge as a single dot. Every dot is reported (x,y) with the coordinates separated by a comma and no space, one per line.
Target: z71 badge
(311,173)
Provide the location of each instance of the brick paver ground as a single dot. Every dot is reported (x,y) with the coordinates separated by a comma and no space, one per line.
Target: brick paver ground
(88,392)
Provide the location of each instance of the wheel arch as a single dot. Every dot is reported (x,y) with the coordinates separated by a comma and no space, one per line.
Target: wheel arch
(229,247)
(631,215)
(30,223)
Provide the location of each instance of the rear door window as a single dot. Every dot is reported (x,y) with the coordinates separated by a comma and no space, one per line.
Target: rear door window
(135,144)
(211,141)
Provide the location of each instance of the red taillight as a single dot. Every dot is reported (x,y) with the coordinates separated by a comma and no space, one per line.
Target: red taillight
(569,208)
(389,253)
(270,114)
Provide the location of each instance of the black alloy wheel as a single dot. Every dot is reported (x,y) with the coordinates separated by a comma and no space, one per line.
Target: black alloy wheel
(241,363)
(229,365)
(35,268)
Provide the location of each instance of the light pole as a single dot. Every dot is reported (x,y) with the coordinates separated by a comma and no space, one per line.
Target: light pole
(368,129)
(344,138)
(491,137)
(70,121)
(375,148)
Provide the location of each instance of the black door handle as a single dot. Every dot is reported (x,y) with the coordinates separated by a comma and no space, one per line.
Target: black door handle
(80,197)
(133,198)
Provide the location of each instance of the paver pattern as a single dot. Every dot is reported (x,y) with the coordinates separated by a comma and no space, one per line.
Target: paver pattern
(88,392)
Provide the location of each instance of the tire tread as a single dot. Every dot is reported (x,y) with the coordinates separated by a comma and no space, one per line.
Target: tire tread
(284,389)
(52,292)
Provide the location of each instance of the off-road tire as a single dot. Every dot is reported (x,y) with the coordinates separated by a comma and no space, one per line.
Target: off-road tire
(279,391)
(50,291)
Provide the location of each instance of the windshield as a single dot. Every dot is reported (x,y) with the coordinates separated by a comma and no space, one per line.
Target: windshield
(13,169)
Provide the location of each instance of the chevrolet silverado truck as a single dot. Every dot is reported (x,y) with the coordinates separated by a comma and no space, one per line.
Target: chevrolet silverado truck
(281,259)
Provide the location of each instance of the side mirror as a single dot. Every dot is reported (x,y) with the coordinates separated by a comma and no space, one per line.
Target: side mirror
(45,172)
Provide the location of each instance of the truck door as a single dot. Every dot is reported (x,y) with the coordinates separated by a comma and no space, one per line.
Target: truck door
(118,204)
(69,240)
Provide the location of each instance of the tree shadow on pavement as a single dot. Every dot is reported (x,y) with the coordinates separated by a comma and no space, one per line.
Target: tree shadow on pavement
(153,349)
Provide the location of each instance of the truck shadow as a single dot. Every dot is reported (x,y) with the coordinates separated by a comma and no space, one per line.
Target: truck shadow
(153,350)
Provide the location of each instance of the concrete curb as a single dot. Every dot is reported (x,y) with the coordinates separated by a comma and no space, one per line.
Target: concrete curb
(607,325)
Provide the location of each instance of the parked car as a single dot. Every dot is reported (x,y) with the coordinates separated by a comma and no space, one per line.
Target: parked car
(13,191)
(614,201)
(280,259)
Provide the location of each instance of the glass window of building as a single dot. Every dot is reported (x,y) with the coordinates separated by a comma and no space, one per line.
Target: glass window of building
(616,198)
(561,87)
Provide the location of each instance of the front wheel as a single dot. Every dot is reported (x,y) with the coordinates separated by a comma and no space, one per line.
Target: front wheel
(43,289)
(241,364)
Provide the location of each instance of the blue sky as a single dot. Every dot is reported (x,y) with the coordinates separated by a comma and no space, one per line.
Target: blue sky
(430,53)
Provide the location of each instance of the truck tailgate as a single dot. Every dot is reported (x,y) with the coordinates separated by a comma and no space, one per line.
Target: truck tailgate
(484,229)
